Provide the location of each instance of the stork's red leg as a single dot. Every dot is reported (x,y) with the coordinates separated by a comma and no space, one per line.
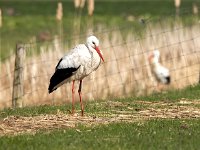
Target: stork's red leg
(79,92)
(73,96)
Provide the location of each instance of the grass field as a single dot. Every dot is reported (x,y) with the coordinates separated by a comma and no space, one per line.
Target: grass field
(154,134)
(160,121)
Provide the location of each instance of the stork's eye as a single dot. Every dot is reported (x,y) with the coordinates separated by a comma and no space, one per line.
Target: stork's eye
(93,43)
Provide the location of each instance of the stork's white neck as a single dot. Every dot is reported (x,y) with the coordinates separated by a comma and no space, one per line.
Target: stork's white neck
(155,63)
(90,48)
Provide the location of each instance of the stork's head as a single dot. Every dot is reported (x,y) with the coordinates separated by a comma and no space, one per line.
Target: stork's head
(154,57)
(93,43)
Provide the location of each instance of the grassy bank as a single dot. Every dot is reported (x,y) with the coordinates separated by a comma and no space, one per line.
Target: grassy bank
(136,133)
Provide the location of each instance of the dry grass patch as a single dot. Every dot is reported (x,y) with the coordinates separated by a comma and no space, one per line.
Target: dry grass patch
(14,125)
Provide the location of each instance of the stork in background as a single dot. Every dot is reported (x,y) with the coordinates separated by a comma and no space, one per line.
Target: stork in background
(160,72)
(76,65)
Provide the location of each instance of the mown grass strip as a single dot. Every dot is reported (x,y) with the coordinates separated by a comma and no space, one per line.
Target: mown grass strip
(154,134)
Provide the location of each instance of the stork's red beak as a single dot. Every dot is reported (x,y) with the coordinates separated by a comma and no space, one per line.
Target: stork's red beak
(99,52)
(150,57)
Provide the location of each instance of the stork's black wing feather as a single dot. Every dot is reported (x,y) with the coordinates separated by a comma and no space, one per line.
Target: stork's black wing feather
(59,76)
(168,80)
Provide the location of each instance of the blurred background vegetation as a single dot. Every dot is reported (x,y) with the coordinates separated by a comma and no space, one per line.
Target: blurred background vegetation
(24,20)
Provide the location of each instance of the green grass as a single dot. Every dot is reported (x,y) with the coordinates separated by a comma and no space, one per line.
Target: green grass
(174,95)
(189,93)
(149,134)
(154,134)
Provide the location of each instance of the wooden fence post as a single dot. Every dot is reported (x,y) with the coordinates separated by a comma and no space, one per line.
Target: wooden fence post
(18,90)
(177,5)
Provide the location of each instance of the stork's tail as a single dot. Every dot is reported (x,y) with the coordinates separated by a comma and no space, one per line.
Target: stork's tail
(51,87)
(52,84)
(168,80)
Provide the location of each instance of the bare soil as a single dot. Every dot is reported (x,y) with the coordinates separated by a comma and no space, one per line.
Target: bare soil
(184,109)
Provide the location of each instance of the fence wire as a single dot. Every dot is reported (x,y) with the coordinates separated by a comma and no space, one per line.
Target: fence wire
(126,70)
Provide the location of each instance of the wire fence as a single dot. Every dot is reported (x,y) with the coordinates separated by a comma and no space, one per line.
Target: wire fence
(126,70)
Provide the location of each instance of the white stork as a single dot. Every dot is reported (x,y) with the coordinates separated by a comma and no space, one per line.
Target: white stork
(77,64)
(160,72)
